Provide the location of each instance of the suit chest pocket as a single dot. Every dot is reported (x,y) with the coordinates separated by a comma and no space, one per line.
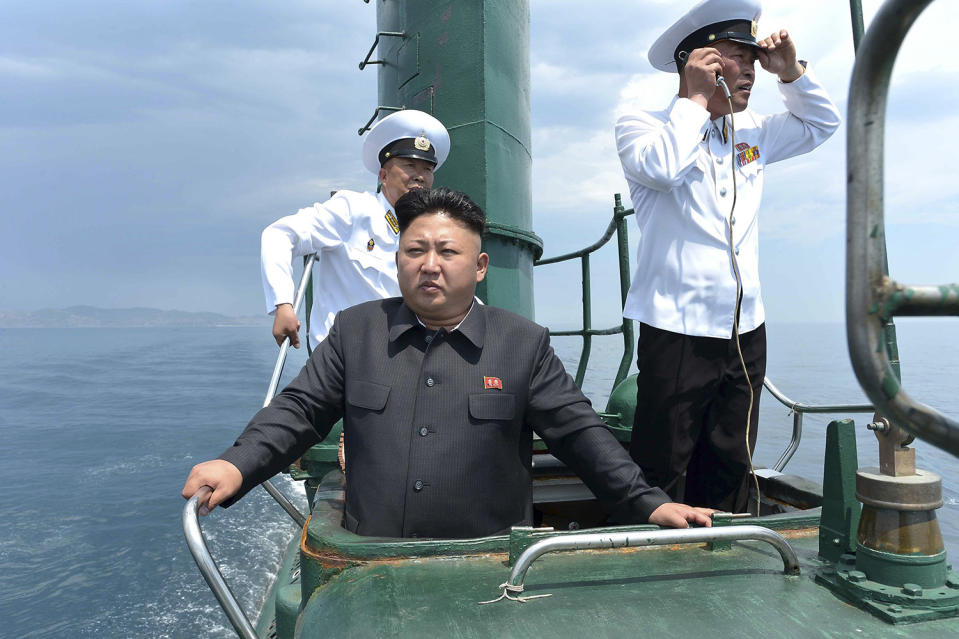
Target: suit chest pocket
(486,407)
(367,395)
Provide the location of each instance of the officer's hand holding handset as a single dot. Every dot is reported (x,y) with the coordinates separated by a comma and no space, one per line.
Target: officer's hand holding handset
(702,68)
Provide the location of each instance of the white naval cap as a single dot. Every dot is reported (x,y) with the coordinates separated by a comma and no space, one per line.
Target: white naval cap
(707,22)
(407,133)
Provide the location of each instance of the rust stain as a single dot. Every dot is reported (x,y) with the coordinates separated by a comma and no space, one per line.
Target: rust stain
(443,39)
(325,559)
(796,533)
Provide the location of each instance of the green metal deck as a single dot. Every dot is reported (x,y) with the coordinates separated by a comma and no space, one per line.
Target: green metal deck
(671,591)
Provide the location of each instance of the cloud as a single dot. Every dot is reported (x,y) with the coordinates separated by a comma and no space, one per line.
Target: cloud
(24,68)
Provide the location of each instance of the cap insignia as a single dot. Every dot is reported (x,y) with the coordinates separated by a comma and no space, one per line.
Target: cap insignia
(754,27)
(370,245)
(422,143)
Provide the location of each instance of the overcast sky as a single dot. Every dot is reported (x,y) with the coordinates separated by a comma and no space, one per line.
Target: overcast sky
(146,144)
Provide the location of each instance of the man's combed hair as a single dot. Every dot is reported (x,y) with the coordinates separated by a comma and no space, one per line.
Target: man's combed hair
(455,204)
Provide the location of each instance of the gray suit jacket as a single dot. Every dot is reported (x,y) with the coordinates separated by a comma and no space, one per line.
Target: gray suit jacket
(438,426)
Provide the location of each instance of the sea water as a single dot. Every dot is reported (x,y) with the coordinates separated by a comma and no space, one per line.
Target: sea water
(99,428)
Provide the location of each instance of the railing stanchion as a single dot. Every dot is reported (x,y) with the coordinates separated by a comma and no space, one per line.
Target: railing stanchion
(208,568)
(268,486)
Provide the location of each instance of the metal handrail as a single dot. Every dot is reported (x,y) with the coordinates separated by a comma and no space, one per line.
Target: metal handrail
(619,214)
(586,541)
(291,510)
(616,225)
(798,409)
(871,296)
(209,569)
(376,41)
(191,522)
(366,127)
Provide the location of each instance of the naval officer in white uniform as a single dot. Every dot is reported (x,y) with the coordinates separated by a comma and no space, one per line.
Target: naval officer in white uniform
(355,235)
(686,166)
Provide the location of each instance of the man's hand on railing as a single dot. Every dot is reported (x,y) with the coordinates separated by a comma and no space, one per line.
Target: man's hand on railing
(285,324)
(676,515)
(220,475)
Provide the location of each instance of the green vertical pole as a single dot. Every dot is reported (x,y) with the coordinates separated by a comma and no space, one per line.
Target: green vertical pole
(587,322)
(855,11)
(622,245)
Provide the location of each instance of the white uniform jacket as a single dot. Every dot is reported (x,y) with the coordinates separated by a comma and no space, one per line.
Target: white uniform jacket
(355,242)
(680,179)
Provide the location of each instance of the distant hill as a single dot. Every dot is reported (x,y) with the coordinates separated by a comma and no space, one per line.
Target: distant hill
(93,317)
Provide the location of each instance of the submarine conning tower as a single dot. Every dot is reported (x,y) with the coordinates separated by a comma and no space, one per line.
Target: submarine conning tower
(426,55)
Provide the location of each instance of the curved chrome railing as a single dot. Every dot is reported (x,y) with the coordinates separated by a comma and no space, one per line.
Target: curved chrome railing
(191,521)
(871,296)
(798,410)
(209,569)
(291,510)
(587,541)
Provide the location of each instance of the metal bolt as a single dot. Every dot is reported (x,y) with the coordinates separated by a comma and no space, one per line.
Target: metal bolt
(857,576)
(914,590)
(836,541)
(879,427)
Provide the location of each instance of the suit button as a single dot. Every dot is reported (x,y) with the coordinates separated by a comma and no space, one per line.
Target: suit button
(429,338)
(418,485)
(424,431)
(732,221)
(719,160)
(430,382)
(722,192)
(737,251)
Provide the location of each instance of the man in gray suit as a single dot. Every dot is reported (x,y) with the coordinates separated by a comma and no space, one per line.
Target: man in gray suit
(440,396)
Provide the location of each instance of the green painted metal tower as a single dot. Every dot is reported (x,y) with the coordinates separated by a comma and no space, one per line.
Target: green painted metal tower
(428,60)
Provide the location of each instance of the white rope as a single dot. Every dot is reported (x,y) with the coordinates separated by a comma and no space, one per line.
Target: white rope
(507,589)
(739,300)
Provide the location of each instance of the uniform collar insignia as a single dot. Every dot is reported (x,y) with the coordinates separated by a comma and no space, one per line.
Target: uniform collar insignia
(392,221)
